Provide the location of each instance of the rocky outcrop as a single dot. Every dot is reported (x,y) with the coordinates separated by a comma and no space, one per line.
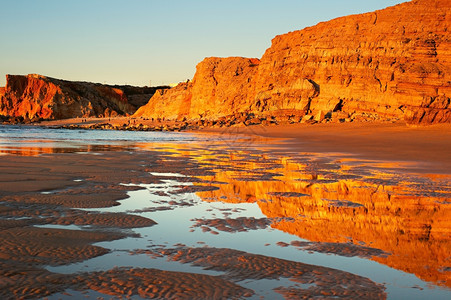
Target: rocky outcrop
(388,64)
(220,87)
(35,97)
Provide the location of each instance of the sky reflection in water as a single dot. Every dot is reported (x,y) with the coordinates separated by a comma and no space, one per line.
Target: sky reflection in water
(338,208)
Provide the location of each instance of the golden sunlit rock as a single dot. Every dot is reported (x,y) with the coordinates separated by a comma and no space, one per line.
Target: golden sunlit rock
(388,64)
(34,97)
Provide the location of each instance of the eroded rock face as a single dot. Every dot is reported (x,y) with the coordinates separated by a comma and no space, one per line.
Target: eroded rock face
(391,63)
(220,87)
(39,97)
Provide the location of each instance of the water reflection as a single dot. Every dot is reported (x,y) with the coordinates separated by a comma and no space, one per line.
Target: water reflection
(334,204)
(374,205)
(44,148)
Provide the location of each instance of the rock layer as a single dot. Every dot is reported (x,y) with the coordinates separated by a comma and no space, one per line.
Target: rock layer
(220,87)
(388,64)
(39,97)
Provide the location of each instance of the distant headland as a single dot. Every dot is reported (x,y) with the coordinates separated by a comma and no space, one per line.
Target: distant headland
(389,65)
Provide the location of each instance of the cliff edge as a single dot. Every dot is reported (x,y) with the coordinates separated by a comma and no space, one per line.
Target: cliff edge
(34,97)
(389,64)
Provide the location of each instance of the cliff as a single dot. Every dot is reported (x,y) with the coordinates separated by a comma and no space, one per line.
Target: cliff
(388,64)
(38,97)
(220,87)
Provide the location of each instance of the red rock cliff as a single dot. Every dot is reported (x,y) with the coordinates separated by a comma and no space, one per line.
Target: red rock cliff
(39,97)
(391,63)
(220,87)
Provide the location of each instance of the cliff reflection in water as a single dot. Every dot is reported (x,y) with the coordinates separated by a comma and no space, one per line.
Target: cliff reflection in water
(361,205)
(40,148)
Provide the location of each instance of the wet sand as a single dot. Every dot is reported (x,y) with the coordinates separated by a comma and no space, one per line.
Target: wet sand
(352,209)
(426,146)
(47,190)
(240,265)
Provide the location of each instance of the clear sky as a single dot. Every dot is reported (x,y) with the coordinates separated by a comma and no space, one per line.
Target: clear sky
(142,42)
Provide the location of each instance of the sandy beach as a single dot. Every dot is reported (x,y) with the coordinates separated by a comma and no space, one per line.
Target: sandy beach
(194,150)
(426,146)
(373,192)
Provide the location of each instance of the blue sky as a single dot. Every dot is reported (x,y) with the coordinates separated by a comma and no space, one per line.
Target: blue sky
(142,42)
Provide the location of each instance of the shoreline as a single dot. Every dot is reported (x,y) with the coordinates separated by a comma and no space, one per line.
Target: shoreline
(425,146)
(338,200)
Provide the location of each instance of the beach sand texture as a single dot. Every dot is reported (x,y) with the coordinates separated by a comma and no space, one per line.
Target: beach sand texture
(316,193)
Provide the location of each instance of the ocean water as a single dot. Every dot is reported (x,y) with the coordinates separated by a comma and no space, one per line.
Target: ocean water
(316,209)
(37,139)
(11,134)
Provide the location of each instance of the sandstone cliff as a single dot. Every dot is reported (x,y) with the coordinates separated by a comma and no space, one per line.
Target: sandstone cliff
(219,88)
(38,97)
(388,64)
